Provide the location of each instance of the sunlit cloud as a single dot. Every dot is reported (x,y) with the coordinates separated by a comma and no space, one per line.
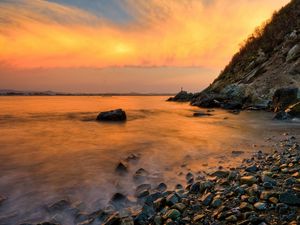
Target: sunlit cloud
(183,33)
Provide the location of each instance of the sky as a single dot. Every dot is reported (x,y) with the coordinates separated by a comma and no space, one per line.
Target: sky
(122,45)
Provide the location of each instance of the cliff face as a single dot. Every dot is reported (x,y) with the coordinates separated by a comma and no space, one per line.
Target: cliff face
(269,60)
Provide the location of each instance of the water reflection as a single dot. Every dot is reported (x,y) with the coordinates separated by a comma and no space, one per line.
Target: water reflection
(52,148)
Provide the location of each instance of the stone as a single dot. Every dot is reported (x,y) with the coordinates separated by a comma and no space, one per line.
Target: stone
(158,220)
(268,179)
(197,188)
(121,168)
(294,110)
(261,206)
(289,198)
(179,206)
(248,180)
(119,200)
(293,53)
(216,203)
(265,195)
(285,97)
(172,199)
(207,199)
(198,218)
(231,218)
(220,174)
(252,169)
(244,206)
(113,220)
(173,214)
(237,152)
(161,187)
(141,175)
(113,115)
(142,190)
(273,200)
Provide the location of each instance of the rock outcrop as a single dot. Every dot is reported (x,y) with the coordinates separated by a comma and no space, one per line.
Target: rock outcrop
(182,96)
(269,60)
(113,115)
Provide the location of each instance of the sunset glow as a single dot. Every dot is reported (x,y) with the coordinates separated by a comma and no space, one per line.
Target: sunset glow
(156,33)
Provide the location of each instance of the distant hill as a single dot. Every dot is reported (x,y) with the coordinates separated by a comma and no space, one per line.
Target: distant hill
(268,60)
(9,92)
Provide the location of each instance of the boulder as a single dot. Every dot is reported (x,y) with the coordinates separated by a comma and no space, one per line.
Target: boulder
(182,96)
(207,100)
(113,115)
(285,97)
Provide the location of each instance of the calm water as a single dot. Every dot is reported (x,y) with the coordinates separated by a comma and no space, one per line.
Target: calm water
(51,148)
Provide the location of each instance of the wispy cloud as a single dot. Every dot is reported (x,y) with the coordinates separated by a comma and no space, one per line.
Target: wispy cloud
(66,33)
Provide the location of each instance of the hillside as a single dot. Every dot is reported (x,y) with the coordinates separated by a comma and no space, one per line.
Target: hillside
(268,60)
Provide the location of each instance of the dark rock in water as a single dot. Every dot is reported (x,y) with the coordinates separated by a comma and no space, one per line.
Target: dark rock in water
(59,206)
(118,197)
(113,115)
(162,187)
(294,110)
(289,198)
(282,115)
(182,96)
(189,176)
(141,175)
(121,168)
(142,190)
(235,152)
(119,200)
(285,97)
(198,114)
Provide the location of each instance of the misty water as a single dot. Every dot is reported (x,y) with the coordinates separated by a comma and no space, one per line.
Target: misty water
(51,148)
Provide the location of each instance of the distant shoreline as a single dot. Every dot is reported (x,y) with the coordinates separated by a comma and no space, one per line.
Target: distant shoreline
(50,93)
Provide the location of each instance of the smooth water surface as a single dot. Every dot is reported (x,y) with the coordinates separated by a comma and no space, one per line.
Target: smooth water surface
(52,148)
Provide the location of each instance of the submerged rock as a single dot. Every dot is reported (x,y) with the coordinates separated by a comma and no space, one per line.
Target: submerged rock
(199,114)
(121,168)
(113,115)
(2,199)
(59,206)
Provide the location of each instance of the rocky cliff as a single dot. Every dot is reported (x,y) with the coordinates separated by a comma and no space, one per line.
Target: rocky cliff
(269,60)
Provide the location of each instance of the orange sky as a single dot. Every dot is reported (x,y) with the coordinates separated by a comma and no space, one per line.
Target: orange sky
(160,33)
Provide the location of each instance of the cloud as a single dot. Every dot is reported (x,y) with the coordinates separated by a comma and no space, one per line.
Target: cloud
(46,34)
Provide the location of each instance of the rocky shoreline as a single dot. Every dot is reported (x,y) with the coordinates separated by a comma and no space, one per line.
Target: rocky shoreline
(265,189)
